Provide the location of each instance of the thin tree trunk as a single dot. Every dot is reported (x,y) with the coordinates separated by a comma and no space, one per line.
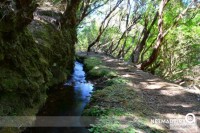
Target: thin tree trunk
(102,28)
(141,45)
(126,34)
(146,49)
(161,34)
(127,50)
(86,8)
(156,49)
(98,36)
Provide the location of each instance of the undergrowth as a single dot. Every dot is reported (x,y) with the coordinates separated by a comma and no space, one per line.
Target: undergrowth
(117,106)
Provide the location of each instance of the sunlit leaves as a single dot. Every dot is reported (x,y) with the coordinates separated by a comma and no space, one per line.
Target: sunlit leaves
(181,46)
(56,1)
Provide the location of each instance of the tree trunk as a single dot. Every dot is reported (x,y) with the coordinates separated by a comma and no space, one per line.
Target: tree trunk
(162,34)
(156,49)
(94,42)
(102,28)
(15,19)
(69,18)
(136,53)
(128,6)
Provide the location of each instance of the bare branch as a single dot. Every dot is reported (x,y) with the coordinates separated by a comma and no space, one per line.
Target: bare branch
(102,28)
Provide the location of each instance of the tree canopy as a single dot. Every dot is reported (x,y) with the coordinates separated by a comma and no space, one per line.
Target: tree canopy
(161,37)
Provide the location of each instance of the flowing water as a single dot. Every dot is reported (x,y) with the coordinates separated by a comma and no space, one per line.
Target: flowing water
(69,100)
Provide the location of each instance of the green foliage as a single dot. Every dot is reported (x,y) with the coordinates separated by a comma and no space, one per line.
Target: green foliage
(112,124)
(86,36)
(117,80)
(180,48)
(56,1)
(91,62)
(119,109)
(102,71)
(95,111)
(95,68)
(111,128)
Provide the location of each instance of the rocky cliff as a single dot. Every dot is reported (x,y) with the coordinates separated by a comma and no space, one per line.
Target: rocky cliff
(34,59)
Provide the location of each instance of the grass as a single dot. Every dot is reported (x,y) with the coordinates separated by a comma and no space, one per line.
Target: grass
(92,62)
(118,106)
(117,80)
(97,69)
(119,110)
(102,71)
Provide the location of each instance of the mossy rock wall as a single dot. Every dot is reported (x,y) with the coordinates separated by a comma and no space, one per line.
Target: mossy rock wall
(37,58)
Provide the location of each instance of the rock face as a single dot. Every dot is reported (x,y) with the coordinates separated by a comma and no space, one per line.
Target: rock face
(36,58)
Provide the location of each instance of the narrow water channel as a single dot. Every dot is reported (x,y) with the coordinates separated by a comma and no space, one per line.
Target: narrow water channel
(69,100)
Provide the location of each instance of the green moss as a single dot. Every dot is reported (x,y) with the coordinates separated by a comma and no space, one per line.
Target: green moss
(27,66)
(117,80)
(116,94)
(119,109)
(95,111)
(59,75)
(1,56)
(9,80)
(10,130)
(124,124)
(21,111)
(92,62)
(27,58)
(96,69)
(102,71)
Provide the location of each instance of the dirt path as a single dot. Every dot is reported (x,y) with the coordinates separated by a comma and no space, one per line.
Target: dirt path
(167,100)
